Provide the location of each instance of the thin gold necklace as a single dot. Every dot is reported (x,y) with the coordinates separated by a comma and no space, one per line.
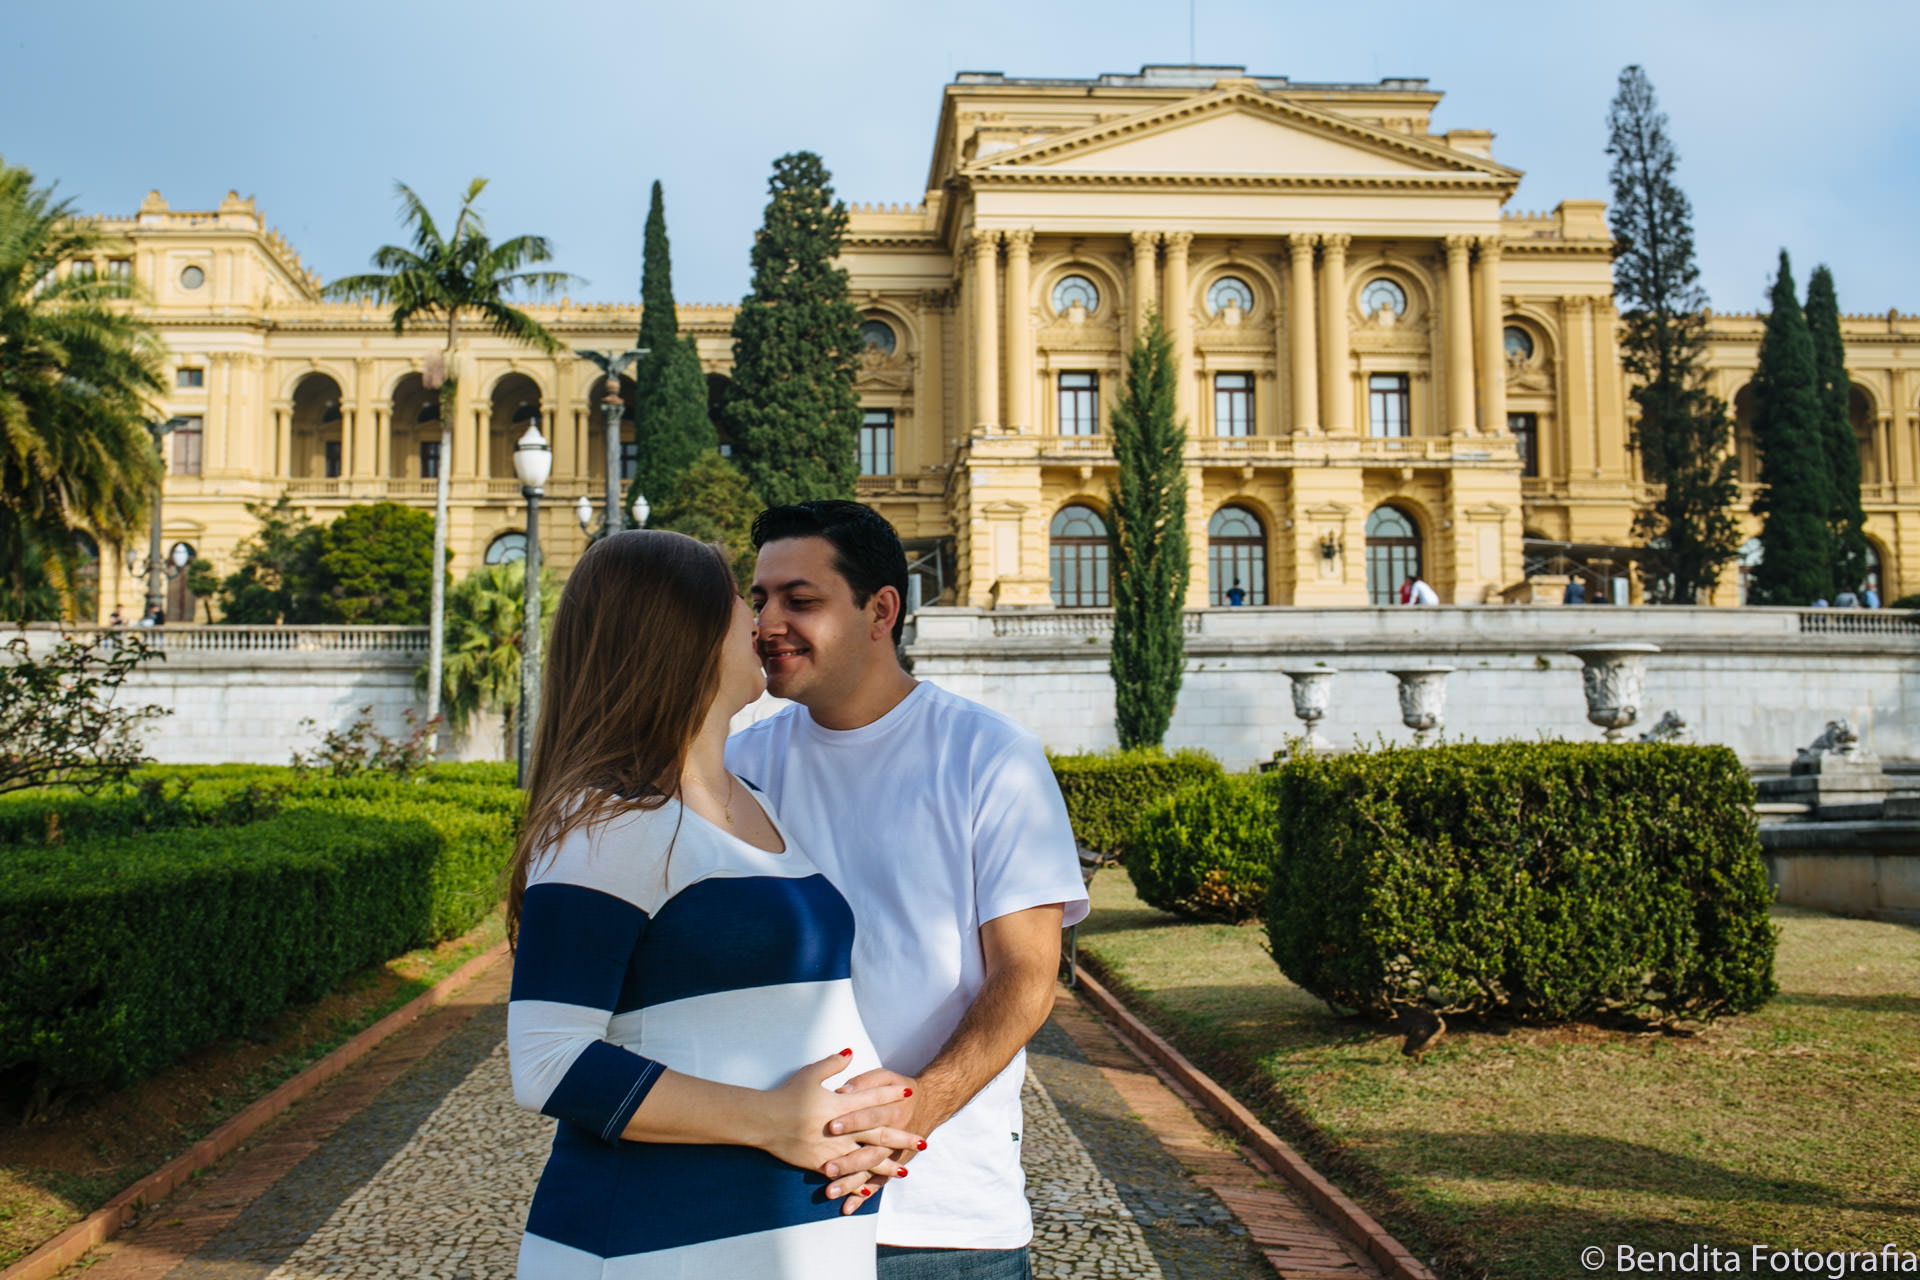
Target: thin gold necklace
(726,806)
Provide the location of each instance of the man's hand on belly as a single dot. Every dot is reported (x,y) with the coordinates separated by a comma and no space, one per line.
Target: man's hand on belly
(862,1172)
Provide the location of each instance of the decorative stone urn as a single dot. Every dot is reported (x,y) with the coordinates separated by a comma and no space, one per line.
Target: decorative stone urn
(1615,677)
(1423,699)
(1312,691)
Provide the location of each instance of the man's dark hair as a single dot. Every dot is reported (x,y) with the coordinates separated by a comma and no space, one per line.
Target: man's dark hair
(866,550)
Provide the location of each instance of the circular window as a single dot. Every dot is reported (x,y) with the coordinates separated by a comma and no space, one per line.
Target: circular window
(878,335)
(192,278)
(1383,295)
(1519,343)
(507,548)
(1229,291)
(1076,291)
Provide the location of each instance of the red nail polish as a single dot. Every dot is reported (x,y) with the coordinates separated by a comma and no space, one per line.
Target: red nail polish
(923,1147)
(866,1191)
(906,1093)
(846,1053)
(899,1173)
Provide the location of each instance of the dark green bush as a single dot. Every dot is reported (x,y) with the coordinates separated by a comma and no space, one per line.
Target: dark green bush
(1539,881)
(1105,791)
(1206,851)
(157,930)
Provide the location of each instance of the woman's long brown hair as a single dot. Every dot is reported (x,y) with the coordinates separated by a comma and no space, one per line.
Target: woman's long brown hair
(631,669)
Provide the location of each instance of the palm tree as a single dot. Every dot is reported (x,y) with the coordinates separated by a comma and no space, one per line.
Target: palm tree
(447,277)
(484,615)
(78,377)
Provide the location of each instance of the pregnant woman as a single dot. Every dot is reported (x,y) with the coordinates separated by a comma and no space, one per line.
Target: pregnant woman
(681,999)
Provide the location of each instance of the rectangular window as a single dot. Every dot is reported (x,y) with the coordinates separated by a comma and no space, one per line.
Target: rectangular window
(429,459)
(186,448)
(83,269)
(629,458)
(190,378)
(331,455)
(1525,428)
(1233,404)
(119,268)
(1387,405)
(1079,404)
(876,442)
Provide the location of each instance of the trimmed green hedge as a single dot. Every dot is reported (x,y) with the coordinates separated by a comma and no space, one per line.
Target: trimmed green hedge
(1207,851)
(122,950)
(1105,791)
(1539,881)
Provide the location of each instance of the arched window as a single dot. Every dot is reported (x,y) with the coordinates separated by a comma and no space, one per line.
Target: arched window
(1229,291)
(1393,554)
(878,334)
(1750,557)
(1236,557)
(1077,555)
(1875,580)
(1383,295)
(1076,291)
(507,548)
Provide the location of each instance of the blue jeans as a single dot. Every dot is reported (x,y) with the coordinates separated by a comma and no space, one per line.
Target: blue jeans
(897,1263)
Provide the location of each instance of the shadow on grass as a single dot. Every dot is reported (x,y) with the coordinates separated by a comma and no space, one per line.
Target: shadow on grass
(1591,1163)
(1884,1003)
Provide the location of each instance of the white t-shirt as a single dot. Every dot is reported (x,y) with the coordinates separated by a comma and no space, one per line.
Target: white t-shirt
(1422,593)
(937,817)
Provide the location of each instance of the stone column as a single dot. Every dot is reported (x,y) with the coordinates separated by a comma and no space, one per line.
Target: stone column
(986,333)
(361,452)
(929,396)
(1300,345)
(1882,454)
(1577,391)
(1143,246)
(1336,383)
(1458,339)
(1178,308)
(482,459)
(283,441)
(1493,341)
(218,426)
(1019,330)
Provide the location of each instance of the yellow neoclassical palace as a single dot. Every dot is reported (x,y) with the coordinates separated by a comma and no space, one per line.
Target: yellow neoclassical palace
(1383,370)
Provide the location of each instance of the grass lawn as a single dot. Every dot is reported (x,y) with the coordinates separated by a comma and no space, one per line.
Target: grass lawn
(1507,1150)
(56,1171)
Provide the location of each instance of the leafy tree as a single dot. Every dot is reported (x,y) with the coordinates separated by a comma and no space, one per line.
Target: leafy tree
(1796,493)
(1687,523)
(58,720)
(486,613)
(673,427)
(446,278)
(77,378)
(1846,517)
(278,578)
(35,596)
(1147,538)
(377,563)
(796,345)
(714,503)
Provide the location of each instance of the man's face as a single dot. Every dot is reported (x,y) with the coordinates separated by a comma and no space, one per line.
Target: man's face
(813,640)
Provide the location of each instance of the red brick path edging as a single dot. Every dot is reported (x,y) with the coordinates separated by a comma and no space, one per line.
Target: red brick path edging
(108,1220)
(1359,1226)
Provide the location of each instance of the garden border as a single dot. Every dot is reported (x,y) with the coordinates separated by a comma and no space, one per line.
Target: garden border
(1359,1226)
(116,1214)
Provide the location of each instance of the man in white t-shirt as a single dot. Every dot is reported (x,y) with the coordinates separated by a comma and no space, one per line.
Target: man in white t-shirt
(941,823)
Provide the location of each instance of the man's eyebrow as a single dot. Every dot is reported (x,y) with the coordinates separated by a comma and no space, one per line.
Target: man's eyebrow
(794,585)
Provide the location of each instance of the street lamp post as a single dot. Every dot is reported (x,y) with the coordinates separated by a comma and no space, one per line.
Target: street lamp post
(533,463)
(611,405)
(155,568)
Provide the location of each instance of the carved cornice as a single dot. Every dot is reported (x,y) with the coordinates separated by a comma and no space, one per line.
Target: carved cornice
(1041,178)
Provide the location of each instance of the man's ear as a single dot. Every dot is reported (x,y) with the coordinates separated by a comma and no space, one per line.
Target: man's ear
(886,605)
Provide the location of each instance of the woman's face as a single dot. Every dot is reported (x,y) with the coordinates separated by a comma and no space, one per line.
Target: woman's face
(741,679)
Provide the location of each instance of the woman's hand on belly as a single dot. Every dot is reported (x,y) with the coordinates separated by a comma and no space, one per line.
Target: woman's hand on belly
(793,1119)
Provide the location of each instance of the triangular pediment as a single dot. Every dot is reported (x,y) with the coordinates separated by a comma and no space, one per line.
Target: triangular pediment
(1240,132)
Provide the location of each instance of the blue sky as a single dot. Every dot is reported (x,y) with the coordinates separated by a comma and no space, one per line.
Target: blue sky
(1797,123)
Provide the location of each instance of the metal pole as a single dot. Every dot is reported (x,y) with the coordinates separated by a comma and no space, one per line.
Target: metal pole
(612,406)
(156,594)
(437,593)
(530,639)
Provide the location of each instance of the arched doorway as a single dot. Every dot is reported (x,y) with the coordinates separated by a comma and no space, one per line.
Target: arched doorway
(516,403)
(317,437)
(1236,556)
(1393,553)
(1077,556)
(414,447)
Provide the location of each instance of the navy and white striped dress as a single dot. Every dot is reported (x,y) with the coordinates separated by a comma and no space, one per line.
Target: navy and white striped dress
(722,961)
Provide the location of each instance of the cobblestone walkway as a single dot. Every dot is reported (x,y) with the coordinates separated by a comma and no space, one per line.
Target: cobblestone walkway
(430,1178)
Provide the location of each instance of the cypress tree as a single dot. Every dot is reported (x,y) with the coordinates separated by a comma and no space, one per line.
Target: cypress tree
(672,429)
(1796,494)
(796,345)
(1845,517)
(1147,542)
(1686,524)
